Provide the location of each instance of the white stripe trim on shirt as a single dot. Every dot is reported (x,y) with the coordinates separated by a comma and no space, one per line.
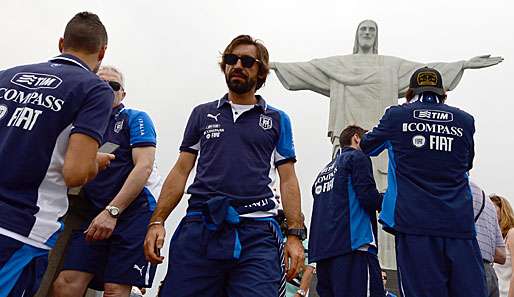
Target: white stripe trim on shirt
(69,60)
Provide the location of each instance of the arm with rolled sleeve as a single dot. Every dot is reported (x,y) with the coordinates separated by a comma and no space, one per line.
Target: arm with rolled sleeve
(284,160)
(364,184)
(375,140)
(290,192)
(142,141)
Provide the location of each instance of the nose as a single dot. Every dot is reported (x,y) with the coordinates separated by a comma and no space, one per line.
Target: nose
(238,64)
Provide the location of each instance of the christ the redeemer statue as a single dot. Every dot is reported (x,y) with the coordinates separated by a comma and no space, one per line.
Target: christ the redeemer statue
(360,86)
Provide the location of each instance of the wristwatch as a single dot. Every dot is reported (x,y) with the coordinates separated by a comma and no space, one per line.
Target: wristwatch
(113,211)
(301,292)
(300,233)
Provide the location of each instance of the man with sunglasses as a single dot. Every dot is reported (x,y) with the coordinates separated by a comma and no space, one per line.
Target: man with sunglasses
(106,253)
(229,243)
(52,117)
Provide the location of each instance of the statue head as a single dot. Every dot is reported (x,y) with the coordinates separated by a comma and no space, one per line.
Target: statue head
(366,38)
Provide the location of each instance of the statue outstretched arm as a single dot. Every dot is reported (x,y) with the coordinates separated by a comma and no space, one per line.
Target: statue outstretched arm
(482,62)
(302,76)
(450,71)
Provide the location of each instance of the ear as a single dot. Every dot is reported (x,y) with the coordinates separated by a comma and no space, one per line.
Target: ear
(61,44)
(123,96)
(356,138)
(101,53)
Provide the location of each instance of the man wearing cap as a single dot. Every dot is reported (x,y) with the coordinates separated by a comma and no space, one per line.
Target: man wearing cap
(428,203)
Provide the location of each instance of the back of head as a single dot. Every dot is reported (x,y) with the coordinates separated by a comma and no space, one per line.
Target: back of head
(426,82)
(345,138)
(85,33)
(506,218)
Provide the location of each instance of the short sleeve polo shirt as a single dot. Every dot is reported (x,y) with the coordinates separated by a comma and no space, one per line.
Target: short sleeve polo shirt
(128,128)
(40,106)
(237,159)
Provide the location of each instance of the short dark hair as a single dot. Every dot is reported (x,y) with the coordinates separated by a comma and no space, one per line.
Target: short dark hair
(345,139)
(85,32)
(262,55)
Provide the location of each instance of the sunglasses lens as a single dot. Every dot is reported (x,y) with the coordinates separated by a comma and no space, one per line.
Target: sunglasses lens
(247,61)
(115,86)
(230,59)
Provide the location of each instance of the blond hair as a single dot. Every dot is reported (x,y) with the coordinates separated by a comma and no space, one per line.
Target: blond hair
(506,218)
(115,70)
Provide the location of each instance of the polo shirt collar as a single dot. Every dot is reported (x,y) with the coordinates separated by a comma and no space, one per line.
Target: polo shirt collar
(117,110)
(261,103)
(70,59)
(347,148)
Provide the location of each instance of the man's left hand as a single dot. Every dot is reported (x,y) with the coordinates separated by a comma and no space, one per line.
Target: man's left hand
(294,256)
(101,227)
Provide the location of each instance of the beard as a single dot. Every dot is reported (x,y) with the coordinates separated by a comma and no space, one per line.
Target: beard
(366,44)
(237,86)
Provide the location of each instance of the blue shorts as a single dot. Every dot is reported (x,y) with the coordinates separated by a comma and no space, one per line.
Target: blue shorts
(194,269)
(350,275)
(21,267)
(119,259)
(439,266)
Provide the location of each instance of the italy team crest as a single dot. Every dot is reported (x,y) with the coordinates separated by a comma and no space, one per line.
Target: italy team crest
(265,122)
(118,126)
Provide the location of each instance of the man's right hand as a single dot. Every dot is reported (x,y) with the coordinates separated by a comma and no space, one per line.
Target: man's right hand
(154,241)
(103,160)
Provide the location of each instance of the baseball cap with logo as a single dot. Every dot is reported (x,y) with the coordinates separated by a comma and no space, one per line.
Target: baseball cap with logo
(426,80)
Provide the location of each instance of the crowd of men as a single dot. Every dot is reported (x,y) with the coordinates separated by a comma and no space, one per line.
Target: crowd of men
(66,118)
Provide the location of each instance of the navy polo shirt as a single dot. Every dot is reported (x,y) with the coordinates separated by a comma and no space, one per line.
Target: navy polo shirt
(344,209)
(237,159)
(129,128)
(40,105)
(430,148)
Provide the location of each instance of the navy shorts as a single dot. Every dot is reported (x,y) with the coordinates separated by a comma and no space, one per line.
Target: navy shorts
(21,268)
(439,266)
(350,275)
(193,272)
(119,259)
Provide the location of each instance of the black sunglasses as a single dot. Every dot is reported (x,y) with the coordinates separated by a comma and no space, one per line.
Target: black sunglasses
(246,61)
(115,86)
